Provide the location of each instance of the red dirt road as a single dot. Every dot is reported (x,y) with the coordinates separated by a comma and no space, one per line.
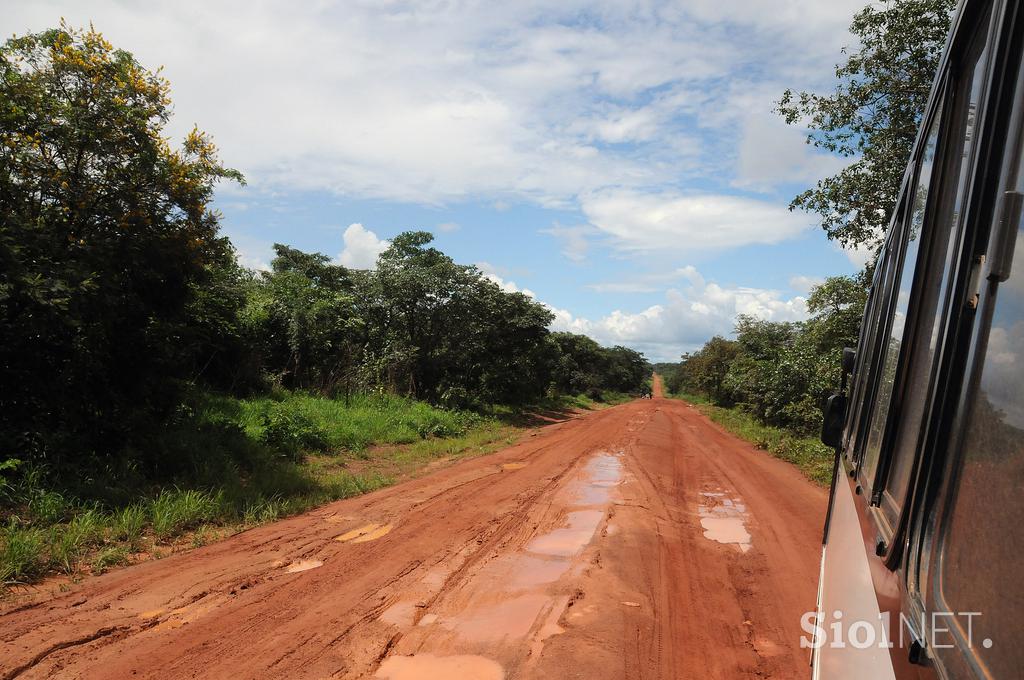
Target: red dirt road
(639,541)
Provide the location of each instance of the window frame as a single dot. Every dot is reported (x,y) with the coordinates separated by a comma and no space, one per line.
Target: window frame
(950,172)
(896,535)
(932,495)
(862,373)
(974,332)
(866,384)
(898,245)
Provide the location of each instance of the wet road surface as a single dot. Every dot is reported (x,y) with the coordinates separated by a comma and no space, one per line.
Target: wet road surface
(640,541)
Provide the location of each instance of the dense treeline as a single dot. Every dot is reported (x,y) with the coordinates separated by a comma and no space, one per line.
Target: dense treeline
(119,300)
(419,324)
(780,372)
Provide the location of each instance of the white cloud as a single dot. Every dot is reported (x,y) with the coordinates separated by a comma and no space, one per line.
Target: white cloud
(573,240)
(362,247)
(623,287)
(804,284)
(250,252)
(524,101)
(651,282)
(859,256)
(448,227)
(621,124)
(491,273)
(250,261)
(670,221)
(509,286)
(772,153)
(686,319)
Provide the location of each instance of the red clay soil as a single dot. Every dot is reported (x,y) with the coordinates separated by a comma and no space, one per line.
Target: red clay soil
(640,541)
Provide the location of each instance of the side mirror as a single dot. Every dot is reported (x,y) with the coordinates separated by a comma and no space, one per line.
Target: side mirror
(849,360)
(832,424)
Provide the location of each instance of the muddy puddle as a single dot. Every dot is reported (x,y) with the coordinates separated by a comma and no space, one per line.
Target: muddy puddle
(570,540)
(529,571)
(430,667)
(368,532)
(724,519)
(302,565)
(595,486)
(515,601)
(511,619)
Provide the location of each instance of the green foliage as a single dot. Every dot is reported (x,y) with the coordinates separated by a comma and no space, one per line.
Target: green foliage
(22,553)
(69,541)
(873,115)
(7,470)
(290,432)
(420,325)
(176,510)
(118,297)
(48,507)
(129,523)
(781,373)
(705,370)
(337,425)
(836,308)
(105,232)
(443,332)
(584,367)
(122,309)
(302,320)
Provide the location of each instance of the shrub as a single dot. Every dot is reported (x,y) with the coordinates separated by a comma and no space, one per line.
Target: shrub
(48,507)
(803,417)
(290,432)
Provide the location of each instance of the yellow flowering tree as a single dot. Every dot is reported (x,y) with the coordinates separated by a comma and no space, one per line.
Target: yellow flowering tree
(106,232)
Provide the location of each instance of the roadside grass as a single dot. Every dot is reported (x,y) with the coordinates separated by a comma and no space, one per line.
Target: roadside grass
(812,457)
(232,464)
(295,421)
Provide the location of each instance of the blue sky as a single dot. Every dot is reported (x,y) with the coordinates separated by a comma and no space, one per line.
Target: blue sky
(619,161)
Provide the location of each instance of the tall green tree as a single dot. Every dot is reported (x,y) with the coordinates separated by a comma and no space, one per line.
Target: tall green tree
(105,234)
(578,367)
(836,307)
(873,115)
(443,332)
(302,318)
(706,369)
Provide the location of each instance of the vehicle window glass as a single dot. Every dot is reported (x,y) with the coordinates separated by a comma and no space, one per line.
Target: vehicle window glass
(898,315)
(980,562)
(943,250)
(862,372)
(882,284)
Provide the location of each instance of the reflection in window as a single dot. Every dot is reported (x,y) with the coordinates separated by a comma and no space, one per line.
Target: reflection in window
(980,569)
(942,256)
(865,351)
(979,557)
(891,349)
